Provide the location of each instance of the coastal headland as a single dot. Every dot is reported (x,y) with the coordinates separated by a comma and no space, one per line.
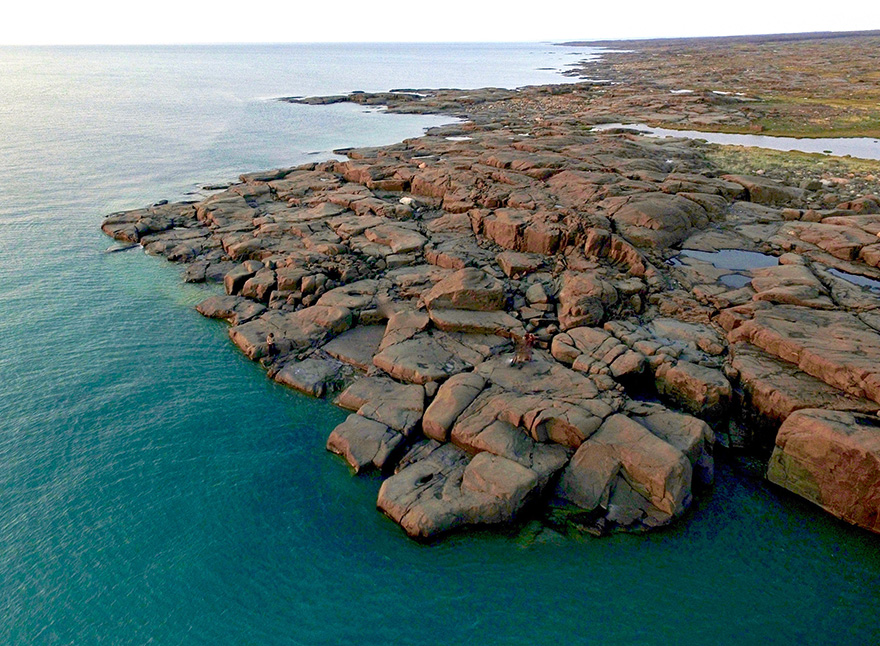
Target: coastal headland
(529,316)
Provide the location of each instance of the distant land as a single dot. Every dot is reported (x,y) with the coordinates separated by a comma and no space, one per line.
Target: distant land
(816,85)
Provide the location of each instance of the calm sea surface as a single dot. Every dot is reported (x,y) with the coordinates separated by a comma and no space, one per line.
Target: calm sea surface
(155,488)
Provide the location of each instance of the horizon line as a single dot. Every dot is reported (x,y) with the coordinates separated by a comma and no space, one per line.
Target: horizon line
(561,42)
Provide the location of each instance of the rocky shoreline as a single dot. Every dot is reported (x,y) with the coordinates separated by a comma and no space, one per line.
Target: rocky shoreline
(523,314)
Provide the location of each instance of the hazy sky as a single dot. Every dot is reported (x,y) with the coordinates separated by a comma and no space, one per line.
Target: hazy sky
(201,21)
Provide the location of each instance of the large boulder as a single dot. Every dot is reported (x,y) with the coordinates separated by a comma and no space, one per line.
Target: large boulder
(628,475)
(835,347)
(259,287)
(313,376)
(467,289)
(764,190)
(364,443)
(583,299)
(831,458)
(551,402)
(702,391)
(455,395)
(237,277)
(656,220)
(690,435)
(233,309)
(445,489)
(497,422)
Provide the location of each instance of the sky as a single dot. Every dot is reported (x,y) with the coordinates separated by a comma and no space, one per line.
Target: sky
(66,22)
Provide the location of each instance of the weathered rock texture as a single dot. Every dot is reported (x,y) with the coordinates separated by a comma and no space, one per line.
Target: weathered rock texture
(488,297)
(831,458)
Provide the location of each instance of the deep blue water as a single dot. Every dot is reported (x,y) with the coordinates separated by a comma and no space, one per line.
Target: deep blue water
(155,488)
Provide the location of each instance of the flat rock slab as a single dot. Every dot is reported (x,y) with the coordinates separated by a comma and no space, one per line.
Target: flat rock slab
(790,285)
(835,347)
(357,346)
(398,406)
(467,289)
(233,309)
(398,239)
(472,322)
(764,190)
(355,296)
(293,331)
(515,263)
(446,489)
(364,443)
(844,242)
(403,325)
(428,356)
(539,376)
(311,376)
(831,458)
(776,388)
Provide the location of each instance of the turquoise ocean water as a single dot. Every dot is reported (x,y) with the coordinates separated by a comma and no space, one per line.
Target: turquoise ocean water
(155,488)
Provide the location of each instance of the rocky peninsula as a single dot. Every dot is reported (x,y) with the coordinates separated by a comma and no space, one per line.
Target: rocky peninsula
(525,315)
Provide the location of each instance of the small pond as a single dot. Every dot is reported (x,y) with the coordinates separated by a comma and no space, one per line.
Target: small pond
(855,279)
(862,147)
(733,259)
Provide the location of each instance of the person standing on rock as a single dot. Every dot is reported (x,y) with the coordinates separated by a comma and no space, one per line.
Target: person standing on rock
(271,348)
(524,345)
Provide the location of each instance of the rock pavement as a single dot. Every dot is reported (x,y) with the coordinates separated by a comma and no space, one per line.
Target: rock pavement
(504,306)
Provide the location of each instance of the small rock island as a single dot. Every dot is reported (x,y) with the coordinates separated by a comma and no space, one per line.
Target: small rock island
(527,315)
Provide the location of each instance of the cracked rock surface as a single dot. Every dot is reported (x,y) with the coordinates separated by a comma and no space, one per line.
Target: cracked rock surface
(527,316)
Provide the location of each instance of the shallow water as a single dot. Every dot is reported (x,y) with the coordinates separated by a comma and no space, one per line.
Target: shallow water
(855,279)
(861,147)
(733,259)
(734,280)
(156,488)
